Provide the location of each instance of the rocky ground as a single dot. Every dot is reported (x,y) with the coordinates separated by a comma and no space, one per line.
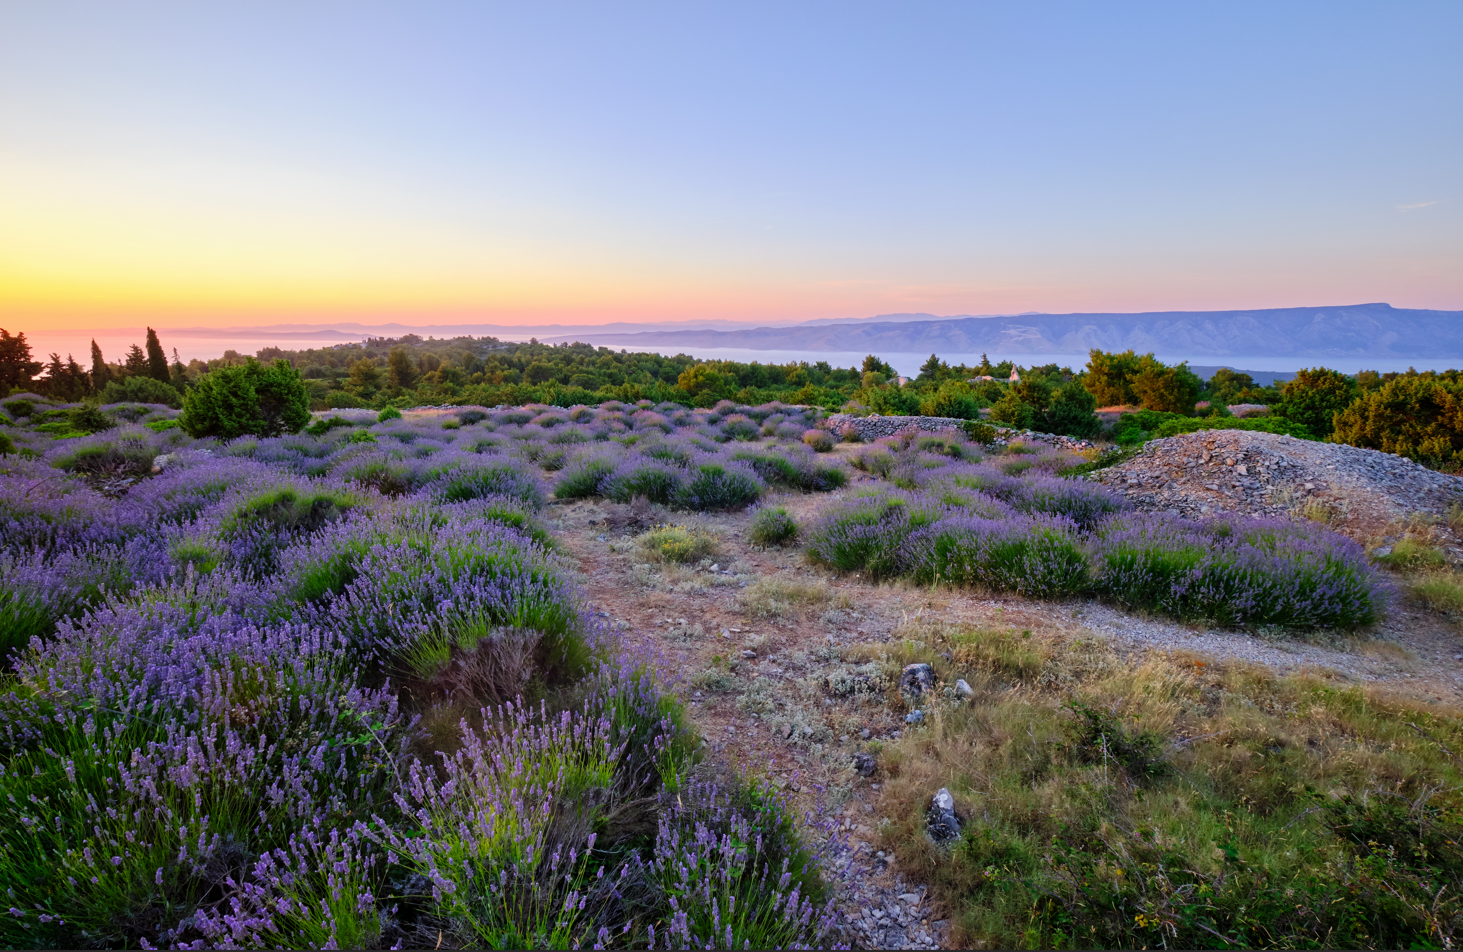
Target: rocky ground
(1362,492)
(776,659)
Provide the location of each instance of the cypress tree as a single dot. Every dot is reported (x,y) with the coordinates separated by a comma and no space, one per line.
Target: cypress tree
(157,361)
(100,372)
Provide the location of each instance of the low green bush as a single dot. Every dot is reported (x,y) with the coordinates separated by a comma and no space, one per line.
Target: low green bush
(772,526)
(325,424)
(140,389)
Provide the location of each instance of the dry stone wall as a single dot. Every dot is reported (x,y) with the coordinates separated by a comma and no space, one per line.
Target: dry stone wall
(870,428)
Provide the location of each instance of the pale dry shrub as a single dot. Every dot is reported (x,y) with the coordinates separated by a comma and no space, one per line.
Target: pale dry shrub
(777,598)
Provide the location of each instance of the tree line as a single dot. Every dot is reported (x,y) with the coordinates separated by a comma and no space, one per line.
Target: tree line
(1419,415)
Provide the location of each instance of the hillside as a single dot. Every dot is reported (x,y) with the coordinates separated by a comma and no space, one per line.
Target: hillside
(1370,330)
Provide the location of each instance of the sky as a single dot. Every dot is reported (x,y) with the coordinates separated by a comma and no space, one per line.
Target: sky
(236,164)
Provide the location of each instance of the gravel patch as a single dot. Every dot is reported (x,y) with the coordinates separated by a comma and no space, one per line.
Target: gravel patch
(1267,474)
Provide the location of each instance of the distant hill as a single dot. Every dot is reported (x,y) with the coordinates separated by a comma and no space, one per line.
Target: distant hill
(1361,330)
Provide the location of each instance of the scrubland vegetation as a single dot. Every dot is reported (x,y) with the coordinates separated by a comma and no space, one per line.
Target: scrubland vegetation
(275,680)
(338,689)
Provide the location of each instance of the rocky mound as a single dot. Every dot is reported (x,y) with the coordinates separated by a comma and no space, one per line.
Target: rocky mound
(1267,474)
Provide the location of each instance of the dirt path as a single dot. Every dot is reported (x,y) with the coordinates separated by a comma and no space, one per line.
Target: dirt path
(777,689)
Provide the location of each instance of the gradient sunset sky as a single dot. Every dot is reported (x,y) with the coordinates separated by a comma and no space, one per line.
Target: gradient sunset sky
(251,163)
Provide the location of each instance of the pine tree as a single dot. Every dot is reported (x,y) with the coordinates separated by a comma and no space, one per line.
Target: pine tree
(157,361)
(16,367)
(136,363)
(100,372)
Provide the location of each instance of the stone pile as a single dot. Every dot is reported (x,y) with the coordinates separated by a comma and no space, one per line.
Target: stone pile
(873,427)
(1267,474)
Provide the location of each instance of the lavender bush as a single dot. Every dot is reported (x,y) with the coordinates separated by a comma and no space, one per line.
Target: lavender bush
(1008,523)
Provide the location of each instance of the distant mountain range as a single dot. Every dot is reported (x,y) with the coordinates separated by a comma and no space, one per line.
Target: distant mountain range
(1361,330)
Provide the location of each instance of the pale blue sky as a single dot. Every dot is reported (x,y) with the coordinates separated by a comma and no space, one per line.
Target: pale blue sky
(589,162)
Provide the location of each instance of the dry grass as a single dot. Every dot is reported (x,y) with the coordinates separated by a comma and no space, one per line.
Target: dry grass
(1440,591)
(778,598)
(1242,757)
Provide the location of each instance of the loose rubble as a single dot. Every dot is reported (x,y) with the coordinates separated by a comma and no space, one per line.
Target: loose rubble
(871,428)
(1267,474)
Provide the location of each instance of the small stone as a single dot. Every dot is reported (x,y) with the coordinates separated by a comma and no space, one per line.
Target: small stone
(963,689)
(866,733)
(914,717)
(1382,551)
(944,825)
(749,653)
(714,567)
(915,680)
(864,764)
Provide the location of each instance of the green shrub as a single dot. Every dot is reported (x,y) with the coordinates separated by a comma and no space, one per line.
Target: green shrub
(1100,738)
(979,432)
(891,400)
(953,400)
(22,617)
(89,419)
(1166,389)
(1314,396)
(325,425)
(19,408)
(1012,411)
(773,526)
(1417,415)
(390,413)
(140,390)
(1072,412)
(7,446)
(1410,553)
(246,399)
(1134,428)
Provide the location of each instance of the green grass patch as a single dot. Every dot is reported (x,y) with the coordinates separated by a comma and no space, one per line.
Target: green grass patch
(1175,802)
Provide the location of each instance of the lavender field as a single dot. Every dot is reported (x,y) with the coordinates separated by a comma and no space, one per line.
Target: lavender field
(338,689)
